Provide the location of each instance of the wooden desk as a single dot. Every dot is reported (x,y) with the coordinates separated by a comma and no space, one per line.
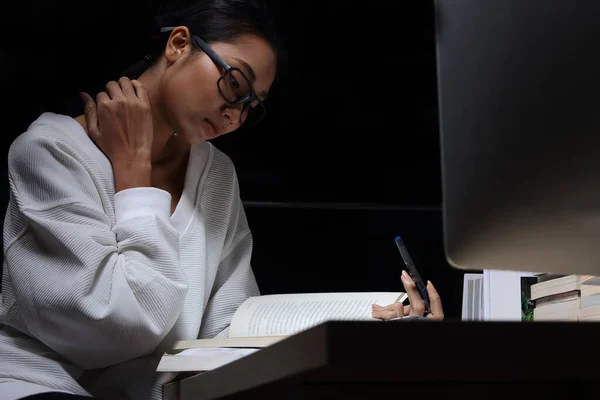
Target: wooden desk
(351,360)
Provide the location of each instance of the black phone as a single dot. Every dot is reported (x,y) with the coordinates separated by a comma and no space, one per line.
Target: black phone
(414,274)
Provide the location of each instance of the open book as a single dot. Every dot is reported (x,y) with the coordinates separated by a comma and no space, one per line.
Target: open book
(263,320)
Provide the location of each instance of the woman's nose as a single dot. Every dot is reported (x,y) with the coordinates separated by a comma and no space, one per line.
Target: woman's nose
(232,114)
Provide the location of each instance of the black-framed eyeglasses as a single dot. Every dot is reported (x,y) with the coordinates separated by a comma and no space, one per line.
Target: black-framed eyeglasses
(234,86)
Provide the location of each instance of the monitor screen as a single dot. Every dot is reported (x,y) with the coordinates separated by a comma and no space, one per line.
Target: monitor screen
(519,122)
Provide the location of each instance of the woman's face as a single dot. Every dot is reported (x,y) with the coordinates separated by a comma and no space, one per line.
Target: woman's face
(190,101)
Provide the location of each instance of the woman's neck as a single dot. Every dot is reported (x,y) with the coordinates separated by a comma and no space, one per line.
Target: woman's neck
(165,144)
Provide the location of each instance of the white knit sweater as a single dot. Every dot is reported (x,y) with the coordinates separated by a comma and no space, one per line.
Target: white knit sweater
(96,286)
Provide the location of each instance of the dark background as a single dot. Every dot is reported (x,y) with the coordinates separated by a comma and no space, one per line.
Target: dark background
(347,158)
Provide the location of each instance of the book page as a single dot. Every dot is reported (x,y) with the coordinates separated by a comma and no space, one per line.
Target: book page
(235,342)
(204,359)
(287,314)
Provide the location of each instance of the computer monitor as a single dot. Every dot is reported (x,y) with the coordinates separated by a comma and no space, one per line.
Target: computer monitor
(519,114)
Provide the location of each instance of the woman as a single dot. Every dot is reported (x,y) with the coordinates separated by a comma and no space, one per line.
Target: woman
(125,230)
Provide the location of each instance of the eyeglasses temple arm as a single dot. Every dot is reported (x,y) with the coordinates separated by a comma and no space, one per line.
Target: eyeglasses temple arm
(205,47)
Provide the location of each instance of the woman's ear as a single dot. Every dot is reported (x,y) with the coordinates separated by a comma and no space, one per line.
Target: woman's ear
(178,44)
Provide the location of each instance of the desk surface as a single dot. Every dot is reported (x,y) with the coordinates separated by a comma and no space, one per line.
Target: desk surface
(379,352)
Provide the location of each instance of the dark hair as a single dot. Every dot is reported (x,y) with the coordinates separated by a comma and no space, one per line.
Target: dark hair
(212,21)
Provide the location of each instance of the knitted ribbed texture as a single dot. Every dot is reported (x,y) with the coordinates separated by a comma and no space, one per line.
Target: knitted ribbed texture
(90,302)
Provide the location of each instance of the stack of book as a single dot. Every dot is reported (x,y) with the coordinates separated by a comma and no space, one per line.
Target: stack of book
(590,300)
(566,298)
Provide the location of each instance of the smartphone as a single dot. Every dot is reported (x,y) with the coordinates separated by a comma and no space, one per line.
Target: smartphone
(414,274)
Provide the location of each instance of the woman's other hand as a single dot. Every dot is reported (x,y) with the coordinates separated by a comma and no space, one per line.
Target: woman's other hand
(416,306)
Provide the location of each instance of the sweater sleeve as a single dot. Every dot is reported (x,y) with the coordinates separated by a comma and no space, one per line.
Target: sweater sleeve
(95,292)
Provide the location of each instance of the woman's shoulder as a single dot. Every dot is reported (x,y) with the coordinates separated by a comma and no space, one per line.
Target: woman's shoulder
(52,135)
(49,128)
(220,183)
(221,163)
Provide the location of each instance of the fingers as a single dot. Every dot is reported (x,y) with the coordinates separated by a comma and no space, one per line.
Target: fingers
(435,303)
(114,90)
(407,310)
(395,310)
(127,87)
(417,305)
(91,114)
(384,314)
(140,91)
(102,100)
